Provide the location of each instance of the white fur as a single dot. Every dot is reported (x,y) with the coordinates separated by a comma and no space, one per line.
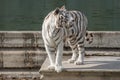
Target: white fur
(48,33)
(48,37)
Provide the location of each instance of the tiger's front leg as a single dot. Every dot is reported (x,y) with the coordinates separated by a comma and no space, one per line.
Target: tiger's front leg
(51,55)
(58,63)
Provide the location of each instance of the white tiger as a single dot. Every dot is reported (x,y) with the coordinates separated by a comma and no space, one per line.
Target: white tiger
(61,25)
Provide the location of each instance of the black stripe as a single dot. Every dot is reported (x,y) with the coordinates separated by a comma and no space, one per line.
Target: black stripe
(81,42)
(73,42)
(58,37)
(56,31)
(72,31)
(71,13)
(81,19)
(73,48)
(47,40)
(73,39)
(75,16)
(48,15)
(51,49)
(78,22)
(79,38)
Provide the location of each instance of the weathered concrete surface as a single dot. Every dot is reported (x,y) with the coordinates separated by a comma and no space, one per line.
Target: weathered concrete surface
(16,52)
(20,38)
(19,75)
(95,68)
(97,52)
(21,59)
(35,58)
(107,39)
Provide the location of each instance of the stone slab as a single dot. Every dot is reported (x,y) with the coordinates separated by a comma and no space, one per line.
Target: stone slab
(92,63)
(95,68)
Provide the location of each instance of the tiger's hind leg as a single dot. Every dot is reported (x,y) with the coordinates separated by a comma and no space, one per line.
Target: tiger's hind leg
(74,56)
(81,53)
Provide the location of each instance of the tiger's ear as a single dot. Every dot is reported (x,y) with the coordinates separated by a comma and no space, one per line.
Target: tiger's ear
(57,10)
(63,7)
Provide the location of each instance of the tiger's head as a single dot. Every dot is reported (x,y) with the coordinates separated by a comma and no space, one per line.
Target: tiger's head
(61,17)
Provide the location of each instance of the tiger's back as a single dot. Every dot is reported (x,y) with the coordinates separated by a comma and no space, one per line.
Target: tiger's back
(76,29)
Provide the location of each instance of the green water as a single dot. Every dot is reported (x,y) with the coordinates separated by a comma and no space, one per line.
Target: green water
(29,14)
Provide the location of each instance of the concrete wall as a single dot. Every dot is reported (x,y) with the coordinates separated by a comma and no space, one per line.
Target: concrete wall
(25,49)
(105,39)
(20,39)
(21,49)
(27,39)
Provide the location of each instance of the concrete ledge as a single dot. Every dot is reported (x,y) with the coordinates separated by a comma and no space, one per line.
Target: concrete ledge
(102,39)
(82,76)
(100,68)
(34,58)
(92,63)
(19,75)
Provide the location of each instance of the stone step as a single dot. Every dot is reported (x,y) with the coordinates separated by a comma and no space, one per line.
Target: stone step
(21,58)
(34,58)
(19,75)
(95,68)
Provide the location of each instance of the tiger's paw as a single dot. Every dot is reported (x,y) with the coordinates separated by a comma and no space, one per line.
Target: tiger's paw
(78,63)
(58,69)
(51,67)
(71,61)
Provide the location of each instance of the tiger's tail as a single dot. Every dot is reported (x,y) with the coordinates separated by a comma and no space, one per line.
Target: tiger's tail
(89,37)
